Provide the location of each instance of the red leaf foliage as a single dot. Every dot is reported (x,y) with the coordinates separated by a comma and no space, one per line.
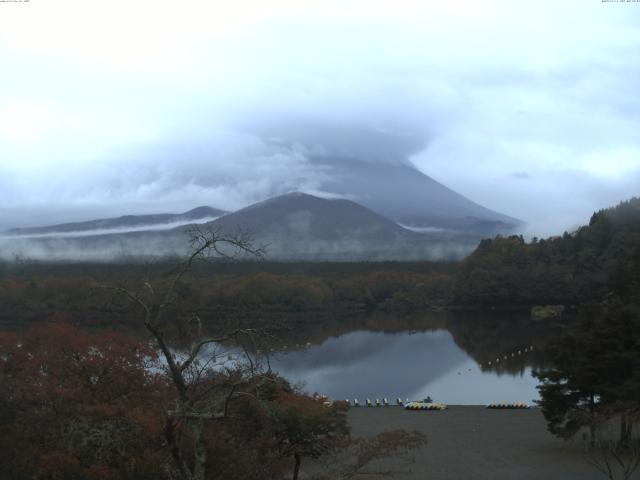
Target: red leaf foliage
(79,405)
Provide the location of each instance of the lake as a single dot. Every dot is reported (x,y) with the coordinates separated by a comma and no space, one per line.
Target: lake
(412,364)
(449,356)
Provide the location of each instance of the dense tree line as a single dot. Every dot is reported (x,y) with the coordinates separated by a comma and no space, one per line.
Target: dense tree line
(31,293)
(580,267)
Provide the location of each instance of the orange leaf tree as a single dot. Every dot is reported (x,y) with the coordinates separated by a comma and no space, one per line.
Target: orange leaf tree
(79,405)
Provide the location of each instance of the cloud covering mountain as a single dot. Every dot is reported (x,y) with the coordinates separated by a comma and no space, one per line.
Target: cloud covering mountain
(529,110)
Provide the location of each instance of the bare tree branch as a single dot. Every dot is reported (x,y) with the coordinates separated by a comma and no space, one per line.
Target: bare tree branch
(192,404)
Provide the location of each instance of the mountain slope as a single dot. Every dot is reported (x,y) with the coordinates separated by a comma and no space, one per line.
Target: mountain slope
(292,226)
(160,220)
(404,194)
(299,215)
(298,225)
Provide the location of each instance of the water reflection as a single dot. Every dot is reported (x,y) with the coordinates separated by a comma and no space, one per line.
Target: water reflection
(365,364)
(444,355)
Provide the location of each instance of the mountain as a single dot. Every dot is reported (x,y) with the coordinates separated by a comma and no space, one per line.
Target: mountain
(299,225)
(294,226)
(405,195)
(160,221)
(298,215)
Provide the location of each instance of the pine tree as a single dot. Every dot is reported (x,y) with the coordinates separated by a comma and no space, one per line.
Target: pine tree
(596,372)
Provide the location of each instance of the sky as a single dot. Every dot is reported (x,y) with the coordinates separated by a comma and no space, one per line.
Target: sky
(109,108)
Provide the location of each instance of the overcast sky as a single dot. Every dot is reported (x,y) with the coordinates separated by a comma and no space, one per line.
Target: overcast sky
(530,108)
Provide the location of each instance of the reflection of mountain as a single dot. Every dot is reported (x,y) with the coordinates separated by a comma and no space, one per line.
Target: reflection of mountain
(364,364)
(354,364)
(436,354)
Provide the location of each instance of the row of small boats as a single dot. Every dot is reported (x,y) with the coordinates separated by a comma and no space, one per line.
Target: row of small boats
(425,406)
(430,405)
(506,406)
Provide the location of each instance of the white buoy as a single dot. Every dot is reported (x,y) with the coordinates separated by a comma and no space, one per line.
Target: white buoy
(355,402)
(385,402)
(377,402)
(368,402)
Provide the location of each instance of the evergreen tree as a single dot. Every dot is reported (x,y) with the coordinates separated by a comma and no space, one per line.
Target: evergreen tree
(595,374)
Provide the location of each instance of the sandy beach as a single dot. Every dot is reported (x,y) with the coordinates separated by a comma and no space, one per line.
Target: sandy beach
(472,442)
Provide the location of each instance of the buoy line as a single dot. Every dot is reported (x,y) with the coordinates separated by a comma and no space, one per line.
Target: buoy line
(506,356)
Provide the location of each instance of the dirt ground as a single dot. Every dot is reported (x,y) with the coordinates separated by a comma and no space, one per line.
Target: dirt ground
(472,442)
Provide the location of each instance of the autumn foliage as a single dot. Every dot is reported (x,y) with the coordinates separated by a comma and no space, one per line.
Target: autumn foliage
(77,405)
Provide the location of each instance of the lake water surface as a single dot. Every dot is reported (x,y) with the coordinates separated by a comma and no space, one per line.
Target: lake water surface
(411,364)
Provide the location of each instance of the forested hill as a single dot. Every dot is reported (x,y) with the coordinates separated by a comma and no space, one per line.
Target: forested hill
(597,260)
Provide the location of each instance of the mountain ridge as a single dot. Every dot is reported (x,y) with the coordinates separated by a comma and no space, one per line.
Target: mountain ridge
(123,221)
(401,192)
(294,226)
(336,213)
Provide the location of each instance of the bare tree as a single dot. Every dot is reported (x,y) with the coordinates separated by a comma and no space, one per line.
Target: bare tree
(195,402)
(615,451)
(613,460)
